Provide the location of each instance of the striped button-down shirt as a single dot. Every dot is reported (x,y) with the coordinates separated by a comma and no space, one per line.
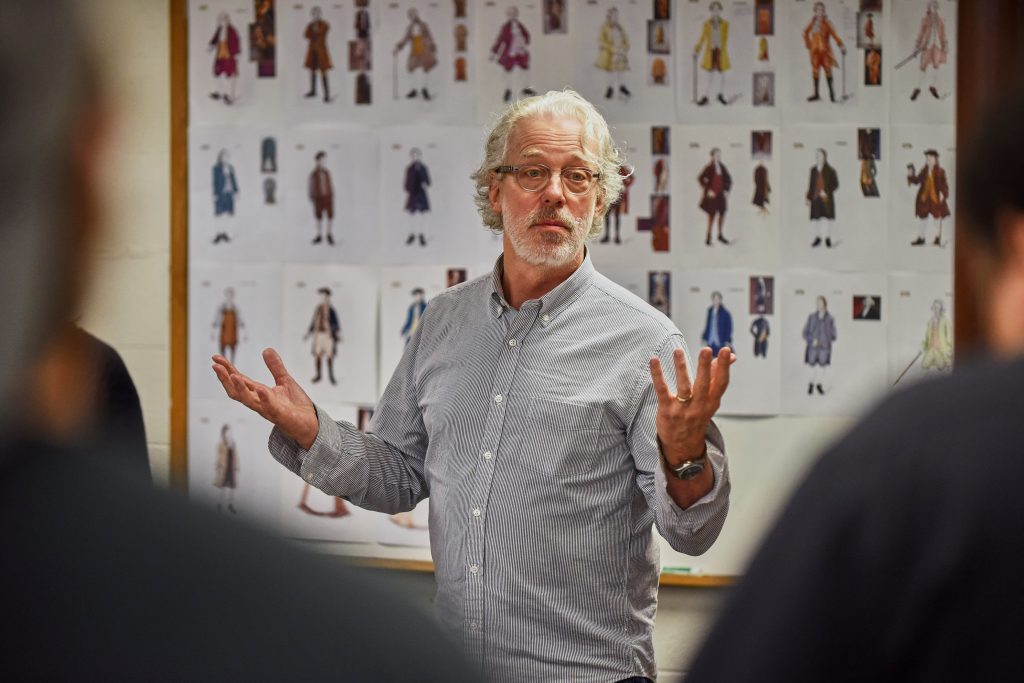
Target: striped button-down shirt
(533,433)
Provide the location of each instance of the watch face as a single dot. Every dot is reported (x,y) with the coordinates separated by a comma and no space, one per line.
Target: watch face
(690,470)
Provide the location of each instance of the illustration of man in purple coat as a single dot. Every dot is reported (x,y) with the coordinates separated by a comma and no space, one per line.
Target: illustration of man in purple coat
(819,334)
(417,179)
(511,51)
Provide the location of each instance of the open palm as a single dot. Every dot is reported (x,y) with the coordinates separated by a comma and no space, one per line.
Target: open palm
(285,404)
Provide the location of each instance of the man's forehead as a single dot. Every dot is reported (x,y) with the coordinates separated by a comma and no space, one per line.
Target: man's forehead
(539,136)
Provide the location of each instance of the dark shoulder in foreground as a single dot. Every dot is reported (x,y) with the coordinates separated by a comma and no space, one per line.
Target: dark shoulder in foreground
(106,578)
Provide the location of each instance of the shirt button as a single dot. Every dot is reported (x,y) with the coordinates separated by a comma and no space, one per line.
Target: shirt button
(499,398)
(309,477)
(511,342)
(474,626)
(474,569)
(545,317)
(488,455)
(476,512)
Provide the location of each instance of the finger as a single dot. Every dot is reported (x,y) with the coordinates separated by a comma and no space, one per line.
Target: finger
(684,386)
(702,381)
(225,363)
(268,407)
(246,395)
(658,379)
(225,380)
(721,372)
(276,366)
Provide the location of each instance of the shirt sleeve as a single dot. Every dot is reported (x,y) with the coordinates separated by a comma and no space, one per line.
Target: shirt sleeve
(693,530)
(381,469)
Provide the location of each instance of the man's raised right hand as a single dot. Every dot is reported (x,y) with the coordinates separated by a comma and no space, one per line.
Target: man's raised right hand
(285,404)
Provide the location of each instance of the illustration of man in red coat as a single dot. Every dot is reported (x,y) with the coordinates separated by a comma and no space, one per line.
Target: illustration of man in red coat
(225,45)
(716,182)
(932,196)
(318,59)
(511,51)
(932,45)
(321,193)
(817,38)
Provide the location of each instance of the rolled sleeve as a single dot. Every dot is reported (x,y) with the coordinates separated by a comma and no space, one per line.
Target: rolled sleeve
(695,529)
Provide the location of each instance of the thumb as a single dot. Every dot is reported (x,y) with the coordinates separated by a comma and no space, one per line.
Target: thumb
(276,366)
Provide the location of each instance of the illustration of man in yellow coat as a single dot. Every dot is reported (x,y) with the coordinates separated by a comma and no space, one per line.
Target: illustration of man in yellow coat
(817,37)
(422,52)
(938,341)
(611,57)
(714,37)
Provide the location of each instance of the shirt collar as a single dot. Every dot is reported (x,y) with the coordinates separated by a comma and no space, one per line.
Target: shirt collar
(555,301)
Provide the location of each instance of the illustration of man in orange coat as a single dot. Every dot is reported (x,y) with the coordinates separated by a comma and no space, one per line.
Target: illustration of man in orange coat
(817,38)
(714,36)
(932,195)
(318,59)
(932,45)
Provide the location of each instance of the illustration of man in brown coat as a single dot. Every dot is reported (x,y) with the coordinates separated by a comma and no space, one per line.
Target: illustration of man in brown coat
(321,193)
(226,469)
(932,195)
(318,59)
(716,183)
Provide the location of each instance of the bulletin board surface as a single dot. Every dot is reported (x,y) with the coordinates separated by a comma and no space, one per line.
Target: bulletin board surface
(791,195)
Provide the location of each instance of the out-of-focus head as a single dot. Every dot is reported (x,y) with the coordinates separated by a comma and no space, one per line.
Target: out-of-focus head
(715,8)
(820,156)
(819,9)
(50,127)
(931,157)
(822,303)
(413,14)
(512,12)
(319,158)
(716,298)
(223,19)
(229,294)
(415,154)
(325,293)
(316,13)
(597,142)
(938,308)
(992,196)
(716,154)
(223,156)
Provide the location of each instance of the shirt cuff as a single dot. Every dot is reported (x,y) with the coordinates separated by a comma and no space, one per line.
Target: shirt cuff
(704,509)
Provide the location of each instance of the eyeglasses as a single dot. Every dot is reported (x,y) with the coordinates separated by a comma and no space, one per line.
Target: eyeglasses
(535,177)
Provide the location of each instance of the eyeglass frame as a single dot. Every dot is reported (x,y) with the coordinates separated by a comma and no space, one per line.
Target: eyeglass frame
(514,169)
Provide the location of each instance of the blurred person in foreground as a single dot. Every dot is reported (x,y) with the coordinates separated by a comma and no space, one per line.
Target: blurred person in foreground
(103,579)
(899,557)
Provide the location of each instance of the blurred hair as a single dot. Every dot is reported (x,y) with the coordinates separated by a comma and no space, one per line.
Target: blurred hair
(989,183)
(46,88)
(560,104)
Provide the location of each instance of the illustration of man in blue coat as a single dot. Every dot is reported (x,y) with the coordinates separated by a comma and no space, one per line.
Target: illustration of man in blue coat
(718,325)
(417,180)
(414,314)
(326,333)
(225,187)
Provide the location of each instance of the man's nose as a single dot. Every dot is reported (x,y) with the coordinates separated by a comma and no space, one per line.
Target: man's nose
(554,190)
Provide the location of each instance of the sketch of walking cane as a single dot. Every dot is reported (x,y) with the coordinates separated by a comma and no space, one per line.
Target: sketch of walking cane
(909,59)
(907,368)
(394,76)
(846,95)
(695,78)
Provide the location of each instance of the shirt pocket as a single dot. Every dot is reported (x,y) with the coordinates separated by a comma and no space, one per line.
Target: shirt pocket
(561,439)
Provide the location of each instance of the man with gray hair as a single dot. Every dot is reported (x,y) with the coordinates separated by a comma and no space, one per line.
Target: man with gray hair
(532,407)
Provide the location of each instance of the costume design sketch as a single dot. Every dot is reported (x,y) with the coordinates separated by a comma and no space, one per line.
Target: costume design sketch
(417,180)
(659,290)
(762,188)
(225,44)
(713,54)
(931,204)
(414,314)
(818,37)
(422,54)
(325,330)
(321,193)
(760,331)
(227,324)
(612,57)
(867,152)
(717,326)
(225,187)
(360,53)
(512,52)
(318,59)
(716,182)
(819,334)
(268,155)
(932,47)
(821,189)
(937,348)
(619,207)
(225,475)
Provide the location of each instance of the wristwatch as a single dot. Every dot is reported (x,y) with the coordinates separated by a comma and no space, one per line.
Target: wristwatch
(689,469)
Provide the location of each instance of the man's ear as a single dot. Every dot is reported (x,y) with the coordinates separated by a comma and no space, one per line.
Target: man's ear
(494,194)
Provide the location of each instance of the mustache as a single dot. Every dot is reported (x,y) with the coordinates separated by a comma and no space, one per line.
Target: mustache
(560,216)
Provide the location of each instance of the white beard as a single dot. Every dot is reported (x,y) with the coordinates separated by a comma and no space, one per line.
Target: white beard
(546,248)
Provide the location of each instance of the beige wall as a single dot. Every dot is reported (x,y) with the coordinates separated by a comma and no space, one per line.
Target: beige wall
(129,305)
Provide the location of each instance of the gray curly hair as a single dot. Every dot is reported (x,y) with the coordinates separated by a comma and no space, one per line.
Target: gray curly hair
(560,103)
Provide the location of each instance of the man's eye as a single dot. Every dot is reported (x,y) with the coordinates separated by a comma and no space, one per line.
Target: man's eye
(533,172)
(577,176)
